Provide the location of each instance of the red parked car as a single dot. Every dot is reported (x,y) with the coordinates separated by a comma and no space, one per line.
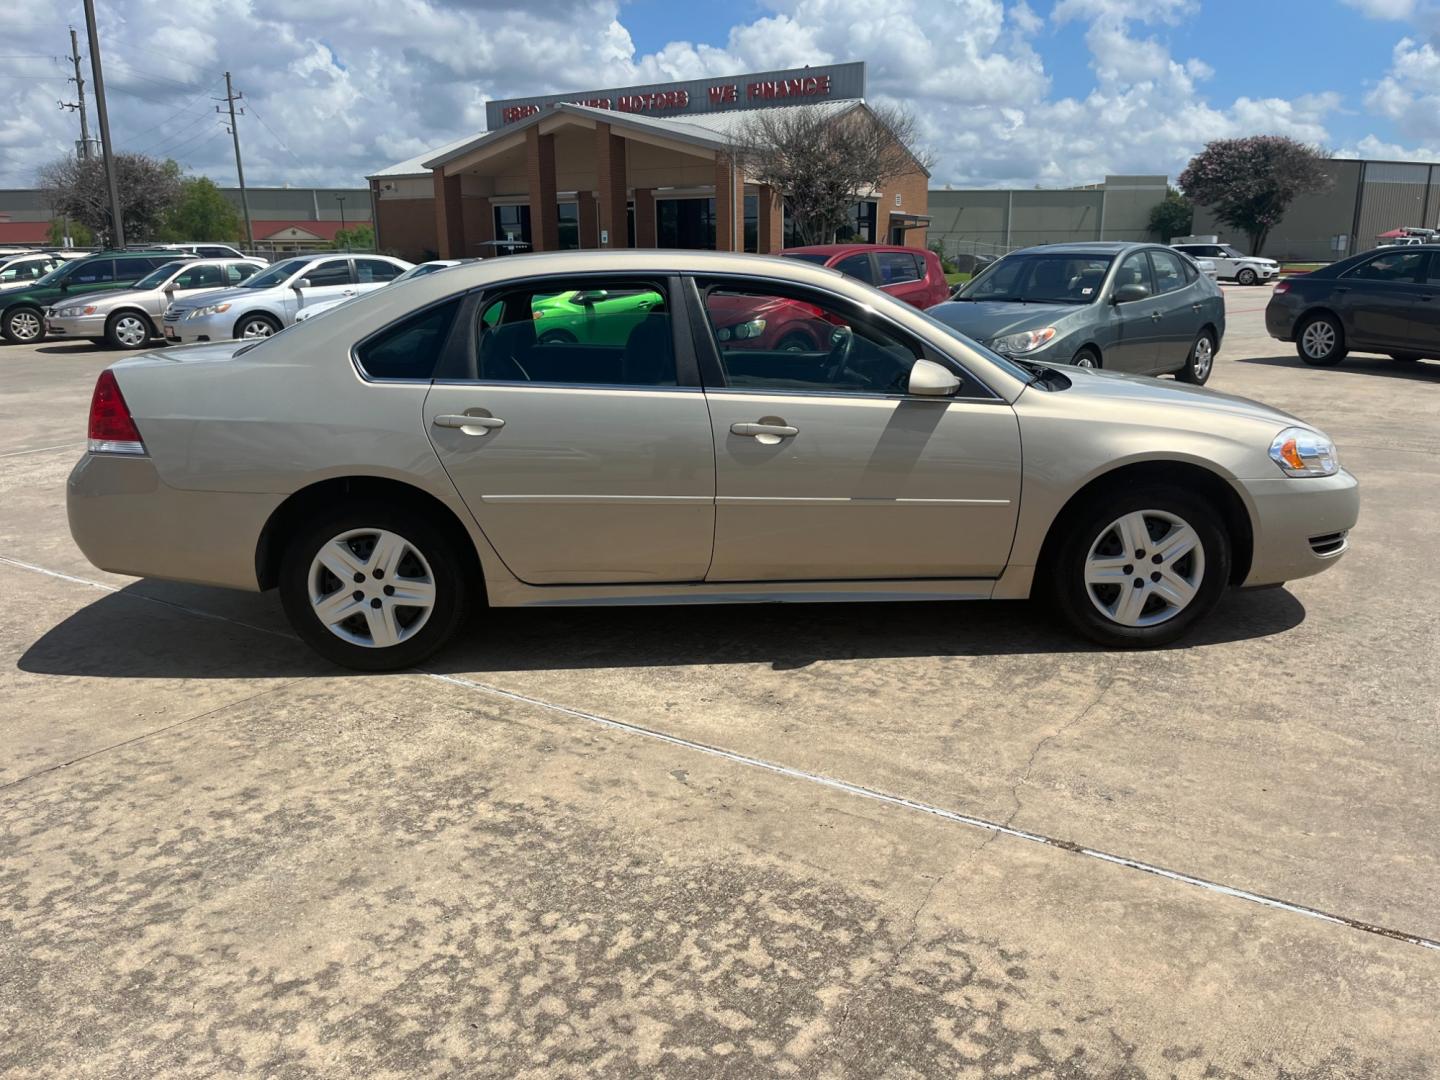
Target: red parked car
(906,273)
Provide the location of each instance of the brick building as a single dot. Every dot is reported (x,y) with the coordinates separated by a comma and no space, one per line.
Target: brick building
(639,167)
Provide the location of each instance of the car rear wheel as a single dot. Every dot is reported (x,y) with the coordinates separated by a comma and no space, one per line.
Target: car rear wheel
(1407,358)
(256,326)
(1321,341)
(23,326)
(1141,566)
(1246,276)
(1201,360)
(1086,358)
(372,588)
(128,330)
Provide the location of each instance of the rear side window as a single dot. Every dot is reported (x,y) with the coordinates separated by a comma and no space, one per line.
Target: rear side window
(238,272)
(897,267)
(410,348)
(858,267)
(370,270)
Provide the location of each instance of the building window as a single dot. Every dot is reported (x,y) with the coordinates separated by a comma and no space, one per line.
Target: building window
(859,228)
(752,223)
(569,216)
(685,223)
(512,223)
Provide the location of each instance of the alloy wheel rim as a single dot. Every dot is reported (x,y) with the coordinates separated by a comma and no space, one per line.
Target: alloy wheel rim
(1318,339)
(129,331)
(1204,354)
(1085,362)
(1144,568)
(24,325)
(256,329)
(372,588)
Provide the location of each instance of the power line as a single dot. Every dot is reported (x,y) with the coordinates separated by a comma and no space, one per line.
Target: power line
(181,145)
(188,105)
(174,136)
(277,138)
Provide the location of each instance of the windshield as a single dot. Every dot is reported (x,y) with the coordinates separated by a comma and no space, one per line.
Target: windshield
(805,256)
(275,275)
(1056,278)
(157,277)
(60,273)
(421,271)
(1233,253)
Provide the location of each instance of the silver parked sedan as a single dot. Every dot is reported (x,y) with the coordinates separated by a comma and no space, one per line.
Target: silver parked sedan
(129,318)
(430,453)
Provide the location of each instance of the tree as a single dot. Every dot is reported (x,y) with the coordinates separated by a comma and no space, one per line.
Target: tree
(201,213)
(1173,216)
(821,163)
(77,232)
(356,238)
(149,189)
(1249,183)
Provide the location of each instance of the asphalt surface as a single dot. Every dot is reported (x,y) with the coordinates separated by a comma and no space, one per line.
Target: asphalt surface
(863,841)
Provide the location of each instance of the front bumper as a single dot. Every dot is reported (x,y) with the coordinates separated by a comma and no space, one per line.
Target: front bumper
(127,520)
(1301,525)
(80,326)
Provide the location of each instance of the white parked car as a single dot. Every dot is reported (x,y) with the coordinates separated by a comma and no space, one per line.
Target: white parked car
(129,318)
(1231,264)
(269,301)
(418,270)
(206,250)
(17,271)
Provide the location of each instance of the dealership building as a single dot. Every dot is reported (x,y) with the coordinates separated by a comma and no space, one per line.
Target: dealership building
(637,167)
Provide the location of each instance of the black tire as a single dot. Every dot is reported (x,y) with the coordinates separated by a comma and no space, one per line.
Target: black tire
(1087,357)
(117,328)
(556,337)
(1246,276)
(1092,526)
(1313,350)
(253,322)
(23,325)
(796,342)
(447,574)
(1200,363)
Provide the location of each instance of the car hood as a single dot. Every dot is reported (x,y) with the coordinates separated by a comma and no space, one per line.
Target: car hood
(1108,387)
(217,296)
(989,319)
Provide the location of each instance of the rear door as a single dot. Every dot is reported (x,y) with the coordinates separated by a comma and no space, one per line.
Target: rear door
(582,463)
(1379,300)
(370,274)
(1177,296)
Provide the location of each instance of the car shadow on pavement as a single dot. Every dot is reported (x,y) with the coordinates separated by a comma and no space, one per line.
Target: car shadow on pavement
(1416,371)
(111,638)
(73,348)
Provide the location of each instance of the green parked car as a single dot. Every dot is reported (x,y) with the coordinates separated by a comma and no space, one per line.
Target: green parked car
(22,311)
(591,316)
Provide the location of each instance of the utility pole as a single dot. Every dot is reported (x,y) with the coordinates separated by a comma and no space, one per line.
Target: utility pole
(117,222)
(79,104)
(341,200)
(230,98)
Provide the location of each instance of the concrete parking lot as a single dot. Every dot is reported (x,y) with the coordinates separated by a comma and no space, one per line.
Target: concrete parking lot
(862,841)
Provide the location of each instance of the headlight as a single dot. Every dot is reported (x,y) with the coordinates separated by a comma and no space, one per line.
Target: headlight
(73,312)
(752,329)
(212,309)
(1302,452)
(1027,341)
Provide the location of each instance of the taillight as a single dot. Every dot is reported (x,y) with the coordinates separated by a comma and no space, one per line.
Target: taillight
(1282,287)
(112,428)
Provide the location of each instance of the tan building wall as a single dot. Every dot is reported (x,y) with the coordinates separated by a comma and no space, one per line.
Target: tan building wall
(990,220)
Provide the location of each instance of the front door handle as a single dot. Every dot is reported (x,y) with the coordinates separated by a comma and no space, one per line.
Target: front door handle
(1154,316)
(469,425)
(778,431)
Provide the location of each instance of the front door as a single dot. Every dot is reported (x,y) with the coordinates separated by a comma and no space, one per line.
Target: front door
(584,462)
(1135,338)
(827,468)
(329,279)
(1380,299)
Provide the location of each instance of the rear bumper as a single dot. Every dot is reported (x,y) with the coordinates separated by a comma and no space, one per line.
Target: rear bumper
(1280,319)
(126,520)
(1301,526)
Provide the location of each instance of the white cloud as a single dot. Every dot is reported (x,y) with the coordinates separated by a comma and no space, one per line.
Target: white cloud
(336,88)
(1385,9)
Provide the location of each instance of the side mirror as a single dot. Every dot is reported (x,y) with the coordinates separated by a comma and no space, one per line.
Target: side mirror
(1127,294)
(590,296)
(303,283)
(929,379)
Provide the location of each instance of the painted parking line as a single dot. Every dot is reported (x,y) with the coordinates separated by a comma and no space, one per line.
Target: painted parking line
(44,450)
(832,783)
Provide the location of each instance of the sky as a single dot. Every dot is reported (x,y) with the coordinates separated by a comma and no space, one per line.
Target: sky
(1007,93)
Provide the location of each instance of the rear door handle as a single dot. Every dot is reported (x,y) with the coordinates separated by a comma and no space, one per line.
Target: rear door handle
(1154,316)
(784,431)
(482,425)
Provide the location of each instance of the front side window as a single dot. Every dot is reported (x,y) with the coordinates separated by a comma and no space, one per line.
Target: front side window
(25,271)
(1135,270)
(897,267)
(1392,266)
(1042,279)
(1169,271)
(132,269)
(858,267)
(201,277)
(93,273)
(799,341)
(334,272)
(411,348)
(585,332)
(372,270)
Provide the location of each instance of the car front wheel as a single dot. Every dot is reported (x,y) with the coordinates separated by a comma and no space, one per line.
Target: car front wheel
(1086,358)
(1321,341)
(371,588)
(1141,566)
(1246,276)
(128,330)
(256,326)
(23,326)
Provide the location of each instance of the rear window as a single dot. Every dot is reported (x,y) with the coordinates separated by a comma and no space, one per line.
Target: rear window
(806,256)
(409,349)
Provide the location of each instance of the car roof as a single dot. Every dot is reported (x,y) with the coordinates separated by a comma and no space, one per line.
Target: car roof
(1093,247)
(845,249)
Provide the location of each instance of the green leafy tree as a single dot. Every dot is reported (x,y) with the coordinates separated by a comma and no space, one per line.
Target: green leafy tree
(202,213)
(1249,183)
(358,238)
(82,236)
(149,189)
(1173,216)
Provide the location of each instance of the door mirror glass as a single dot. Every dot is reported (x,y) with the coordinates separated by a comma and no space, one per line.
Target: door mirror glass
(590,296)
(1127,294)
(929,379)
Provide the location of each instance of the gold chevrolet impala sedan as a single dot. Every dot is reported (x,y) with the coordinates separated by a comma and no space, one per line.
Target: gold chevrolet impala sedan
(696,427)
